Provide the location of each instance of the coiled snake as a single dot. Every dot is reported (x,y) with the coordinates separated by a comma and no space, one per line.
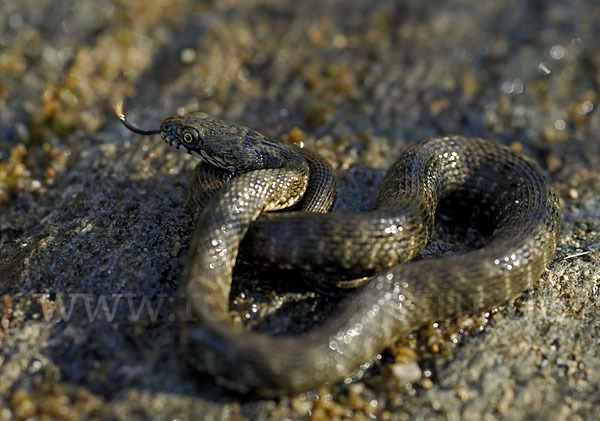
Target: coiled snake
(254,174)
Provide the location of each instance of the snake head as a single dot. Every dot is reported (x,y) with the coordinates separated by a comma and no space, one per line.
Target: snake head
(216,142)
(219,143)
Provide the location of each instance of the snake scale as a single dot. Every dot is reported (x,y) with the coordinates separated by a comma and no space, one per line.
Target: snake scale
(255,174)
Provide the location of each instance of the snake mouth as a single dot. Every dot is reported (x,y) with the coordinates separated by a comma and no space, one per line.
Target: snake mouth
(171,139)
(170,135)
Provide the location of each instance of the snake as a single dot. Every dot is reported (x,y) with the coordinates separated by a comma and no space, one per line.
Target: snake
(252,177)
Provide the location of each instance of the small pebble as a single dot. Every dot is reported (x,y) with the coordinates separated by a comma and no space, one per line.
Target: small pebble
(573,193)
(295,135)
(517,147)
(553,163)
(176,248)
(301,405)
(407,372)
(187,56)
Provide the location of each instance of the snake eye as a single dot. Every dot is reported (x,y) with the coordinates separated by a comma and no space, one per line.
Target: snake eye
(189,136)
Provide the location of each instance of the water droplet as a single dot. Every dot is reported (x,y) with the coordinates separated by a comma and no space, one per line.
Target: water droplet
(560,124)
(544,68)
(557,52)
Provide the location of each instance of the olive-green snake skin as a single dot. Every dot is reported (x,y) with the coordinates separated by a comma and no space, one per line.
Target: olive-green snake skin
(259,174)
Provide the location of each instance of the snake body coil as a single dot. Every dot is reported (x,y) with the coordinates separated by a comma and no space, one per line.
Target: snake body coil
(267,175)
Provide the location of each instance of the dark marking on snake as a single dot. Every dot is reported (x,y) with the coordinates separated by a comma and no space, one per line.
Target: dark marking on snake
(249,174)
